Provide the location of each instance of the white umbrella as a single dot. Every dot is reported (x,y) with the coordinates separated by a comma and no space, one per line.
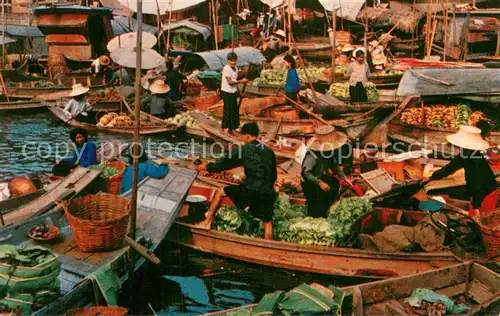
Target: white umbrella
(151,7)
(126,57)
(129,40)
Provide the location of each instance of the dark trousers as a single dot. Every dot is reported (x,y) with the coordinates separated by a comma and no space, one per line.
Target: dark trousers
(231,118)
(358,93)
(261,204)
(319,201)
(294,96)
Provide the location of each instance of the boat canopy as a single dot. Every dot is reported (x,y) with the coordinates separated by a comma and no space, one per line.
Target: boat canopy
(189,25)
(216,59)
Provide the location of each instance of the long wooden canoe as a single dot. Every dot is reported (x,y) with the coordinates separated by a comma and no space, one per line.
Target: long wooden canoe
(479,285)
(31,92)
(214,127)
(318,259)
(432,135)
(20,106)
(159,127)
(158,204)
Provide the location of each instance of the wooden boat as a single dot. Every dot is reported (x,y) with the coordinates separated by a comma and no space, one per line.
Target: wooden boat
(433,136)
(318,259)
(53,190)
(479,285)
(214,128)
(159,126)
(159,203)
(21,106)
(32,92)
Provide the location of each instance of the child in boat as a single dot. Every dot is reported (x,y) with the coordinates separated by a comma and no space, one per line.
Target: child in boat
(257,191)
(292,85)
(146,169)
(479,178)
(358,72)
(78,105)
(229,93)
(84,154)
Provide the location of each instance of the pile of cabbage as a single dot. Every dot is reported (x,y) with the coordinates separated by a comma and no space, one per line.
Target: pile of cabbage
(278,76)
(291,223)
(341,91)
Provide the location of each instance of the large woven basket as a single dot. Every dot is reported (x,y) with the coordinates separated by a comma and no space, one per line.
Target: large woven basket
(490,226)
(98,310)
(99,222)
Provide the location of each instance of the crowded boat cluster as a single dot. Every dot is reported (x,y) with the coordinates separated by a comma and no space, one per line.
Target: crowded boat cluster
(361,143)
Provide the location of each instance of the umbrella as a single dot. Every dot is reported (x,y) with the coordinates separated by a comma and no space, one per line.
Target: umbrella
(126,57)
(151,7)
(129,40)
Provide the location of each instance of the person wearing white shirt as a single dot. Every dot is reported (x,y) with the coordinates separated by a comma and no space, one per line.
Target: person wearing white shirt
(77,107)
(229,93)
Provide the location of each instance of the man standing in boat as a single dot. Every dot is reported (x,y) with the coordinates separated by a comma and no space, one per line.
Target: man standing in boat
(257,190)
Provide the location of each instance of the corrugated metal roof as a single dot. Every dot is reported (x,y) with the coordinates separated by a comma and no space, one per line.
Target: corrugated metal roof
(23,31)
(203,29)
(120,25)
(216,59)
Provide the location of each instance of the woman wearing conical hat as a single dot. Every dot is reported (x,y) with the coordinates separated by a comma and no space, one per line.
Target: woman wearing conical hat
(479,178)
(78,105)
(323,160)
(160,104)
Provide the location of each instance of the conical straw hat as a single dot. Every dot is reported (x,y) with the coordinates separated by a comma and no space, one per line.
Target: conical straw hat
(327,139)
(78,89)
(159,87)
(129,40)
(468,137)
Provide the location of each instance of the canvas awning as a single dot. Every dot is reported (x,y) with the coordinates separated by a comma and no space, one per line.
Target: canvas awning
(216,59)
(202,29)
(123,24)
(151,7)
(345,9)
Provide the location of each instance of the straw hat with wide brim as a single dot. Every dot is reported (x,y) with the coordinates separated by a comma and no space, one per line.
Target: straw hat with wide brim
(347,48)
(78,89)
(357,50)
(280,33)
(104,60)
(327,139)
(159,87)
(468,137)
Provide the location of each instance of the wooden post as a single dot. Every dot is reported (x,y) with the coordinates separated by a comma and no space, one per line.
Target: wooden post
(169,24)
(365,40)
(309,81)
(4,88)
(466,37)
(497,52)
(215,26)
(334,33)
(4,51)
(289,11)
(160,27)
(445,36)
(135,173)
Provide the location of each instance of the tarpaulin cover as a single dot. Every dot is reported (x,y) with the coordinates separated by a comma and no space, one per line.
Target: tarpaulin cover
(198,27)
(151,7)
(216,59)
(347,9)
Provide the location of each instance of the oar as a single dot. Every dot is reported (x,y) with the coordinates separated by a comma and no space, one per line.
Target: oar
(143,251)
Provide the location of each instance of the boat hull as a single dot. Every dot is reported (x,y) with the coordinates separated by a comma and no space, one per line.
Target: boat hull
(317,259)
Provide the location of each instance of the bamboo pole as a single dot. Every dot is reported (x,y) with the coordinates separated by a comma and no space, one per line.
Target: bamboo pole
(169,24)
(309,81)
(289,11)
(4,51)
(135,173)
(445,36)
(215,26)
(334,33)
(160,27)
(497,52)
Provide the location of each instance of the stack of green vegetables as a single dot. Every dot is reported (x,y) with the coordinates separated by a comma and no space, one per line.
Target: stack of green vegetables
(463,114)
(106,171)
(291,224)
(341,91)
(278,76)
(231,220)
(28,278)
(303,300)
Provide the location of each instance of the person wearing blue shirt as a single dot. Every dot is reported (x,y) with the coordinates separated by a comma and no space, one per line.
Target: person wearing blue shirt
(146,169)
(292,85)
(84,154)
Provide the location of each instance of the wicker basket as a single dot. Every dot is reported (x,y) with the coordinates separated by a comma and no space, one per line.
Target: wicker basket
(99,222)
(490,226)
(113,184)
(99,310)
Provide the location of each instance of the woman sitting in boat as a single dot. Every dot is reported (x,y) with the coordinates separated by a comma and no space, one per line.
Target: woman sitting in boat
(257,190)
(321,167)
(146,168)
(292,85)
(479,178)
(159,103)
(358,72)
(85,153)
(78,105)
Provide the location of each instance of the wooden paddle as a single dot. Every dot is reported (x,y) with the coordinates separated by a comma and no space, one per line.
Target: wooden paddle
(143,251)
